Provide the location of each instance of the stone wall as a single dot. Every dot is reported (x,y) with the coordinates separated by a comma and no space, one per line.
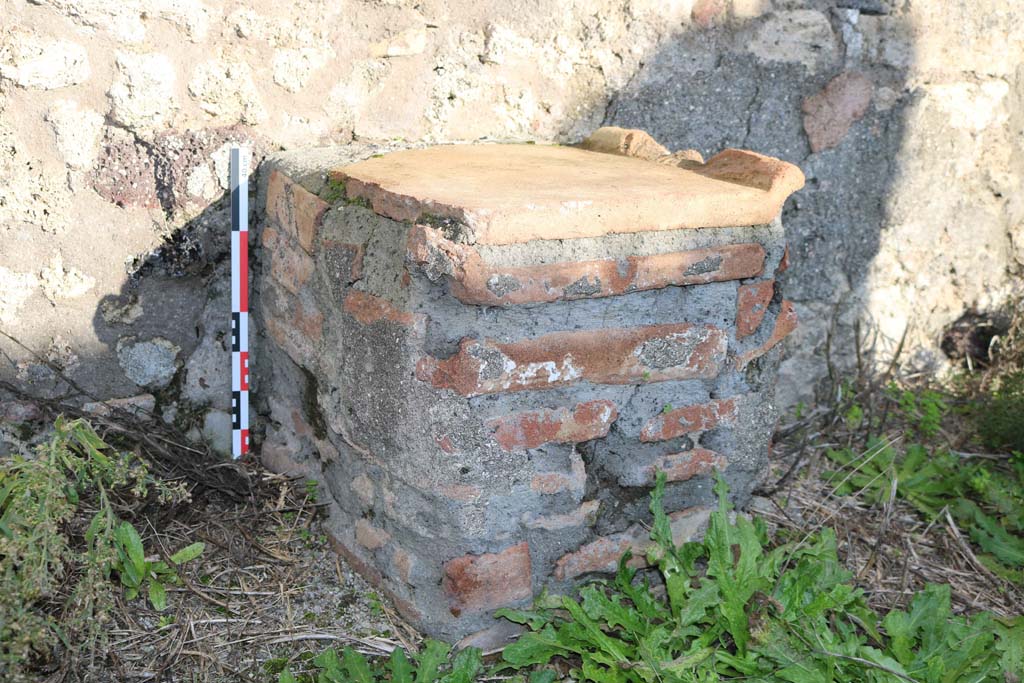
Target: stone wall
(115,118)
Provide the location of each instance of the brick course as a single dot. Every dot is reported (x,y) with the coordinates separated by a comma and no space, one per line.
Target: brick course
(652,353)
(686,465)
(751,305)
(521,431)
(785,322)
(475,282)
(294,209)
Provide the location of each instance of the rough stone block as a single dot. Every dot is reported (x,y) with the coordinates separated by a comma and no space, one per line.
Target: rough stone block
(494,348)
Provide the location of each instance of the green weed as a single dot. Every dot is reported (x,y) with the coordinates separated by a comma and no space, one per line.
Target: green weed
(312,490)
(1000,416)
(431,665)
(60,539)
(333,191)
(137,572)
(984,496)
(731,609)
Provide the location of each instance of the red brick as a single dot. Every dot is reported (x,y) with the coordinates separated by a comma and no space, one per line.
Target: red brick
(687,524)
(474,282)
(294,209)
(277,456)
(362,486)
(628,142)
(687,419)
(368,309)
(486,188)
(551,483)
(600,555)
(289,264)
(308,211)
(462,493)
(706,12)
(829,114)
(369,536)
(751,305)
(297,327)
(477,583)
(530,429)
(606,356)
(445,443)
(357,561)
(743,167)
(279,209)
(783,262)
(403,562)
(785,323)
(686,465)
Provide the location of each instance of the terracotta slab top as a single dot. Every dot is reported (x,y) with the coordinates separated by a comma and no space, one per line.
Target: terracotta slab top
(511,193)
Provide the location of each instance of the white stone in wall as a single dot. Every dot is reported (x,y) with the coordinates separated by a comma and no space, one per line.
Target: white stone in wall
(201,183)
(221,159)
(225,89)
(60,283)
(971,106)
(28,195)
(244,22)
(980,37)
(217,431)
(34,61)
(293,67)
(190,15)
(125,19)
(802,35)
(15,289)
(502,44)
(77,132)
(142,95)
(750,9)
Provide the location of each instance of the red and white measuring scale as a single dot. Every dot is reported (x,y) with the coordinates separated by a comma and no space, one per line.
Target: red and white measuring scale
(239,302)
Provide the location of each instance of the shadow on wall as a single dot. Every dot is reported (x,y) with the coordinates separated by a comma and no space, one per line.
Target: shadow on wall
(167,331)
(797,100)
(905,220)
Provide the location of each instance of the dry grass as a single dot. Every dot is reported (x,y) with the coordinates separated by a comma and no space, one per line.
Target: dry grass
(892,549)
(267,589)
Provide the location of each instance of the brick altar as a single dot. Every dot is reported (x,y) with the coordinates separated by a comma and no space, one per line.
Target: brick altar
(485,353)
